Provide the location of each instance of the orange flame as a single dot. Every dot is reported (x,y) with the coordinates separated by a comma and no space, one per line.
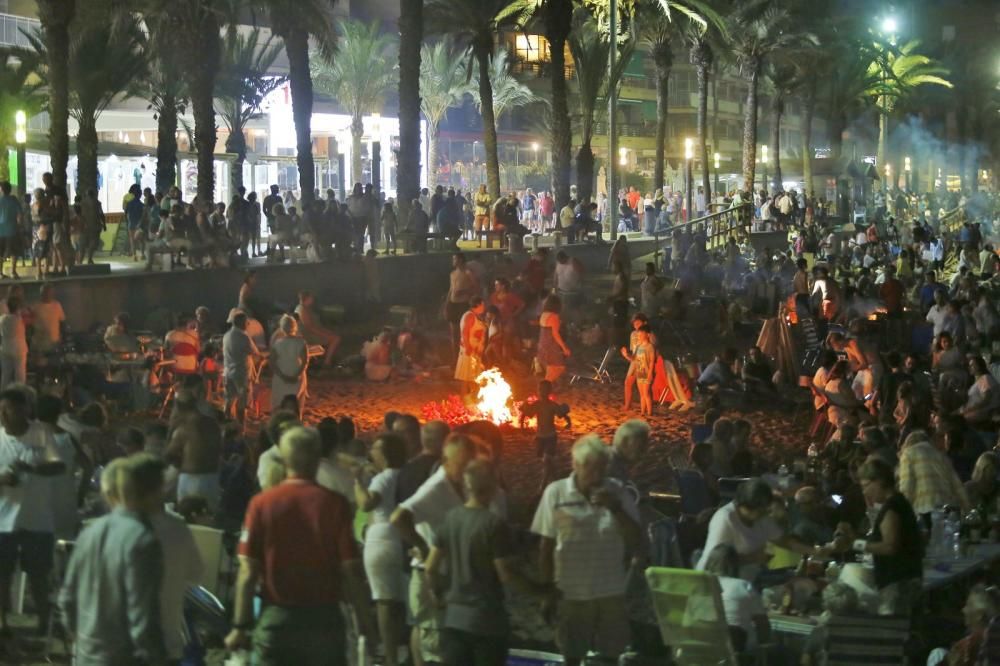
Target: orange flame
(495,397)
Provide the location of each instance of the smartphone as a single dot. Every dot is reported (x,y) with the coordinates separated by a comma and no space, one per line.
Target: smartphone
(837,499)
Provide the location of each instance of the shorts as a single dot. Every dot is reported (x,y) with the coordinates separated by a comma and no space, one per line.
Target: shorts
(427,617)
(236,389)
(546,445)
(34,551)
(454,311)
(600,625)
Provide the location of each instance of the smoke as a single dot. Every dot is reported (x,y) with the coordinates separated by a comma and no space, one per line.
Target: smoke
(928,150)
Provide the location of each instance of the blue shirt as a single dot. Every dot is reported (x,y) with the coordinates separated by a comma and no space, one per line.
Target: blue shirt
(10,208)
(133,210)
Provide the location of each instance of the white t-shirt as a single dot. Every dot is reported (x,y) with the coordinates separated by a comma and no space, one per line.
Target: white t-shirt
(590,550)
(182,567)
(726,527)
(938,315)
(742,604)
(568,279)
(27,505)
(12,339)
(435,498)
(48,319)
(337,478)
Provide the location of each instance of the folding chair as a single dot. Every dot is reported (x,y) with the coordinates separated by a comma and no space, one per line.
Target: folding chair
(691,618)
(867,639)
(598,373)
(182,351)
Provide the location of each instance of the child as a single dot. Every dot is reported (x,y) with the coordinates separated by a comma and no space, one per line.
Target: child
(638,321)
(643,358)
(545,410)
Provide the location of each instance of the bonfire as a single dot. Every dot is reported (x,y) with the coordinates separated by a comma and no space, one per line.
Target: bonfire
(494,403)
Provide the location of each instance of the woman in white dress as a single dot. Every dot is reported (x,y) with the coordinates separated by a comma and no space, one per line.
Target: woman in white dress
(473,343)
(383,550)
(289,359)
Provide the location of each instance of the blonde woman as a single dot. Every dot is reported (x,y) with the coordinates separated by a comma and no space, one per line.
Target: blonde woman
(289,359)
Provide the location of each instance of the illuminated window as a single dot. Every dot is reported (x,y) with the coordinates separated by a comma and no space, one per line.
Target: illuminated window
(531,48)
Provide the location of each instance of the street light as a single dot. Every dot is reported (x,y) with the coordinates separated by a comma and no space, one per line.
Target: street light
(888,175)
(21,138)
(534,148)
(688,158)
(889,25)
(377,153)
(623,156)
(908,171)
(716,174)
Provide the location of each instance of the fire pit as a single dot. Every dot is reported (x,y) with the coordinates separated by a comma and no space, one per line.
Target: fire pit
(494,403)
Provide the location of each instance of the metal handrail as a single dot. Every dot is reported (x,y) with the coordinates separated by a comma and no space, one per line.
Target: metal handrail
(719,227)
(952,220)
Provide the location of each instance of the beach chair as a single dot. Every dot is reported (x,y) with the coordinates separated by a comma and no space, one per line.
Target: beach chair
(691,618)
(596,373)
(867,639)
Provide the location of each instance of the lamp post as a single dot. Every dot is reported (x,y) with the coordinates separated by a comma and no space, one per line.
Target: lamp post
(377,153)
(716,190)
(688,158)
(21,138)
(907,170)
(534,149)
(763,160)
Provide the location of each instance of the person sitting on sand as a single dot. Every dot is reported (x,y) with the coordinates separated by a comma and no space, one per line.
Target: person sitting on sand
(377,353)
(312,327)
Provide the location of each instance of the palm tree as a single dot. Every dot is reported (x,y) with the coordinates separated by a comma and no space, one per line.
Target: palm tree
(758,29)
(411,34)
(56,16)
(590,49)
(844,91)
(659,36)
(508,92)
(363,71)
(784,82)
(556,17)
(163,88)
(105,61)
(474,23)
(19,91)
(443,84)
(900,71)
(294,21)
(195,28)
(242,87)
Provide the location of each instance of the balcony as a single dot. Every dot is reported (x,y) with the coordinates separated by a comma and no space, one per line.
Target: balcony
(12,29)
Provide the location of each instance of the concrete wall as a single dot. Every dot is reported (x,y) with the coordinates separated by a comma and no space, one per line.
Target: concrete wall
(405,280)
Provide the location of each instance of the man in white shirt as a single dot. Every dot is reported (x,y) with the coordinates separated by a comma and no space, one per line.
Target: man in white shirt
(589,526)
(27,522)
(745,525)
(417,520)
(238,352)
(938,314)
(49,320)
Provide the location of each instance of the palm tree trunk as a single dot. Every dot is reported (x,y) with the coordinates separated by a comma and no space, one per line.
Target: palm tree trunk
(300,82)
(702,134)
(411,27)
(433,135)
(166,144)
(808,109)
(558,18)
(204,136)
(662,109)
(86,151)
(882,158)
(237,145)
(777,110)
(750,130)
(56,16)
(585,173)
(482,53)
(357,132)
(835,134)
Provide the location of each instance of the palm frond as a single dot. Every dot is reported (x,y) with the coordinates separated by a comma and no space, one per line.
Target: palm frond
(443,80)
(362,72)
(508,92)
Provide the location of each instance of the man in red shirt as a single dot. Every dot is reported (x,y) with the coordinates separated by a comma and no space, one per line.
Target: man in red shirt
(633,198)
(297,544)
(892,292)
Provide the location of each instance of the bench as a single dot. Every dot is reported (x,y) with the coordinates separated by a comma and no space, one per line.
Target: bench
(492,235)
(435,241)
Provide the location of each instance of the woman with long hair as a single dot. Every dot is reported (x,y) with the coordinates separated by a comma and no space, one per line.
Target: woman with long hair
(552,349)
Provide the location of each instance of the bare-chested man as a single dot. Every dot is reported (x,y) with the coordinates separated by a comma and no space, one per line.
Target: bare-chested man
(195,448)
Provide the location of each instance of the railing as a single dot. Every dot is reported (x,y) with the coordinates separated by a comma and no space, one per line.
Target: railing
(952,220)
(719,227)
(12,29)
